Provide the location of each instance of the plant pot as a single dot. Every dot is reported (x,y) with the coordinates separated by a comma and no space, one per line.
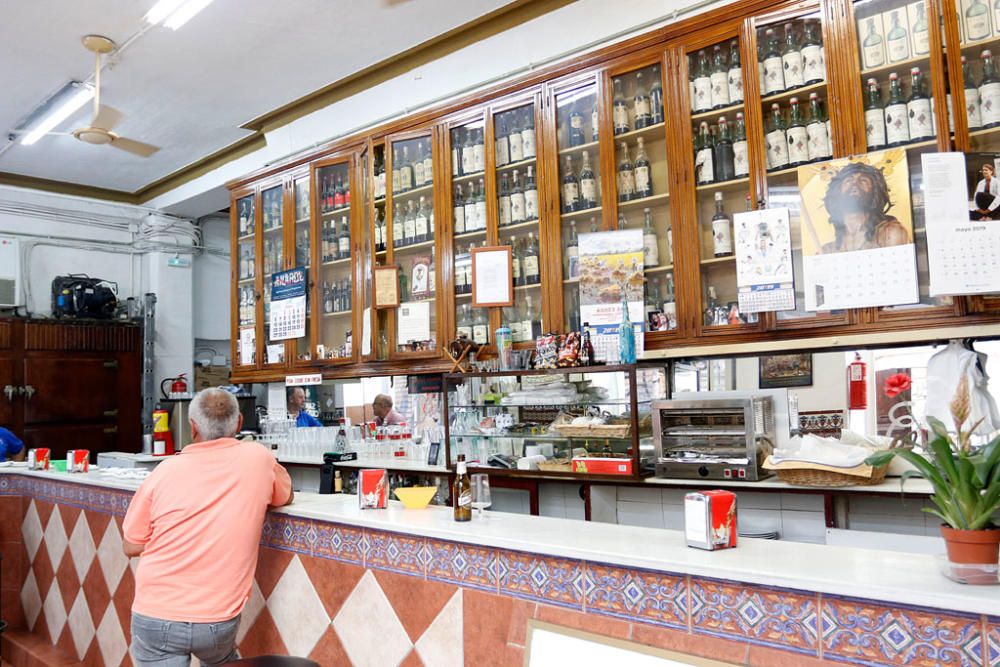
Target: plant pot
(980,547)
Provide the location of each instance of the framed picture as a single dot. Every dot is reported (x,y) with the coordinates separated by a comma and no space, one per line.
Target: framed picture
(492,277)
(386,286)
(420,277)
(786,370)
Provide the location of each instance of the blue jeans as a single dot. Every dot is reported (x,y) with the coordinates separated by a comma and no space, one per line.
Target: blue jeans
(157,643)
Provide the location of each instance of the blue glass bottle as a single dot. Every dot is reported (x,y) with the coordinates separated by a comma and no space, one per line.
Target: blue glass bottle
(626,336)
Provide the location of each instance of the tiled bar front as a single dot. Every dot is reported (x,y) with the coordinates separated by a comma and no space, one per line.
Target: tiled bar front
(351,594)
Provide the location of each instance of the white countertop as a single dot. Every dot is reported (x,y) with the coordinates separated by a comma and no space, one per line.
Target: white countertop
(866,573)
(915,485)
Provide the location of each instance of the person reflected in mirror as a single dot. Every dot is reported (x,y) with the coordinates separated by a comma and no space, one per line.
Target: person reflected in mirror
(384,414)
(295,399)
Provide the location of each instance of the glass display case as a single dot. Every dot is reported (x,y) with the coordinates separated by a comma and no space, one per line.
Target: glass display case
(272,201)
(372,178)
(592,422)
(303,257)
(469,222)
(334,257)
(247,295)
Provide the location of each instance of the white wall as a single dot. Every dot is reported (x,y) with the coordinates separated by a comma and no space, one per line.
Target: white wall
(828,390)
(212,281)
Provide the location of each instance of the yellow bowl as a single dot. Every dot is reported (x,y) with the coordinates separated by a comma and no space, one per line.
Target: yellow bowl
(416,497)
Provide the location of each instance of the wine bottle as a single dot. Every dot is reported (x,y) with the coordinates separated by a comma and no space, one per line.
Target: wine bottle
(531,322)
(619,109)
(703,162)
(505,212)
(458,211)
(723,155)
(480,327)
(819,138)
(722,230)
(720,79)
(468,152)
(461,492)
(776,140)
(344,240)
(977,21)
(813,56)
(516,142)
(479,152)
(576,135)
(570,186)
(418,166)
(517,273)
(481,205)
(594,123)
(734,77)
(410,223)
(587,187)
(420,223)
(989,92)
(874,117)
(652,299)
(918,108)
(774,77)
(650,242)
(456,152)
(529,265)
(872,47)
(741,161)
(921,33)
(464,317)
(643,173)
(641,111)
(972,103)
(516,201)
(528,134)
(398,222)
(405,171)
(896,41)
(572,267)
(530,195)
(626,175)
(502,153)
(702,84)
(798,138)
(471,223)
(656,98)
(791,59)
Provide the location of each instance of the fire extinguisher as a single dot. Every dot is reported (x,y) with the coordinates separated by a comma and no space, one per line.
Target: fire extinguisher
(857,384)
(178,388)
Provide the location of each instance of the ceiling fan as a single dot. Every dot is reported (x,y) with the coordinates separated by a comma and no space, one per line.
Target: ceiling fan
(105,117)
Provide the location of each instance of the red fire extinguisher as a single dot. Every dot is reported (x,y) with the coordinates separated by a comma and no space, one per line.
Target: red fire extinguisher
(857,384)
(178,387)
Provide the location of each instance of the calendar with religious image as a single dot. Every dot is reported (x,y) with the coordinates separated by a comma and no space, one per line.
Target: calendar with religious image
(857,232)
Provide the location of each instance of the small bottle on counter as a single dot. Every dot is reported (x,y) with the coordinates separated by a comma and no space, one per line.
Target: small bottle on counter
(461,492)
(338,482)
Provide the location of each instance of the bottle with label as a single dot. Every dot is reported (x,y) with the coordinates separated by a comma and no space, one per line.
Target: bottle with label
(398,222)
(741,161)
(813,56)
(896,40)
(774,76)
(918,108)
(504,209)
(921,38)
(652,300)
(428,168)
(528,134)
(418,167)
(468,157)
(464,321)
(977,21)
(587,356)
(776,140)
(478,152)
(626,175)
(656,98)
(643,172)
(798,138)
(515,140)
(480,327)
(641,111)
(619,109)
(594,123)
(576,135)
(720,79)
(722,230)
(481,205)
(344,240)
(516,272)
(820,147)
(516,201)
(458,211)
(471,224)
(972,103)
(723,155)
(422,229)
(530,195)
(410,223)
(622,222)
(572,267)
(791,59)
(461,492)
(872,46)
(703,145)
(587,187)
(405,171)
(502,153)
(989,92)
(702,83)
(529,265)
(531,320)
(712,308)
(570,186)
(650,242)
(874,117)
(734,75)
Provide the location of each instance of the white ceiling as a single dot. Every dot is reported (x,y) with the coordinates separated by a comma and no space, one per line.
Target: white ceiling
(188,91)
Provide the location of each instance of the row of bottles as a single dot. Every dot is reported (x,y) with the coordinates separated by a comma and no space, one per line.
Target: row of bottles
(248,266)
(642,109)
(337,296)
(302,244)
(336,241)
(571,252)
(414,225)
(468,153)
(982,98)
(524,320)
(525,264)
(246,221)
(576,134)
(271,208)
(409,290)
(799,61)
(473,323)
(717,85)
(720,156)
(272,256)
(902,119)
(799,139)
(378,171)
(412,172)
(579,190)
(517,203)
(515,138)
(897,35)
(334,195)
(635,180)
(247,306)
(663,302)
(469,211)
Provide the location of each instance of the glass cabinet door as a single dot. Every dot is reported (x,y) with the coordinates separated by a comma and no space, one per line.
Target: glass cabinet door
(642,185)
(335,277)
(246,283)
(468,223)
(380,241)
(273,228)
(303,258)
(580,191)
(371,172)
(516,173)
(979,35)
(721,169)
(412,245)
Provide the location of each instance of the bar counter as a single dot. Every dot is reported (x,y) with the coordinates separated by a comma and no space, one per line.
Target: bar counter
(382,586)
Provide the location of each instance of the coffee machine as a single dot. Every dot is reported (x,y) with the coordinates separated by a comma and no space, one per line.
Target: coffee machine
(180,414)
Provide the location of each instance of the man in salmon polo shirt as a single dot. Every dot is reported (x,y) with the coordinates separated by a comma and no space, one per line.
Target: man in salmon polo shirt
(195,524)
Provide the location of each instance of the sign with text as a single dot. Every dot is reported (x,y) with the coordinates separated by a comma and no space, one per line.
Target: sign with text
(288,304)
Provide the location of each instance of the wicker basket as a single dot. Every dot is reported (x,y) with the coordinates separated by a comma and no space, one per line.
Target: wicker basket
(596,431)
(811,477)
(564,465)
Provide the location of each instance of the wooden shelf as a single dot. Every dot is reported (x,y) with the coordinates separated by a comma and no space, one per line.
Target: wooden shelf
(734,184)
(457,180)
(336,212)
(378,200)
(712,261)
(246,281)
(794,92)
(658,130)
(524,288)
(576,150)
(571,281)
(715,113)
(248,237)
(339,313)
(272,230)
(470,235)
(337,262)
(663,268)
(903,66)
(511,166)
(414,193)
(645,202)
(519,226)
(412,246)
(576,215)
(466,295)
(302,221)
(985,132)
(979,45)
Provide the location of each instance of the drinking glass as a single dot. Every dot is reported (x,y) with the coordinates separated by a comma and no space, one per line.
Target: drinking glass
(481,492)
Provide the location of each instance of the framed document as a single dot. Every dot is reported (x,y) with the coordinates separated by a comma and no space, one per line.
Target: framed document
(386,286)
(492,277)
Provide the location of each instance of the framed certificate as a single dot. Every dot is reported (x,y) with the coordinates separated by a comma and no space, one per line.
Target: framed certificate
(386,281)
(492,277)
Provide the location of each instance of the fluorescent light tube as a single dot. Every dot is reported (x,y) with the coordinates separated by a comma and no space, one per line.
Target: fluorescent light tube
(162,10)
(80,95)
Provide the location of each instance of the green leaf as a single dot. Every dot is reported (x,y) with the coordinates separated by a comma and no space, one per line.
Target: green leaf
(927,469)
(881,457)
(938,427)
(931,510)
(944,458)
(947,512)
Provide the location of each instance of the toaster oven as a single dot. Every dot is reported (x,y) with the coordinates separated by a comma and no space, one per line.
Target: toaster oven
(714,439)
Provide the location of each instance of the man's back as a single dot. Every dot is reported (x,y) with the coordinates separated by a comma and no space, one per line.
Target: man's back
(199,517)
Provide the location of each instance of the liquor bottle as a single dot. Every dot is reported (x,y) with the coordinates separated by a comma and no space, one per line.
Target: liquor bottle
(872,47)
(456,151)
(760,63)
(776,140)
(531,324)
(874,117)
(529,263)
(243,265)
(516,201)
(702,84)
(573,311)
(481,205)
(703,162)
(720,79)
(243,219)
(656,98)
(471,223)
(641,110)
(897,123)
(379,236)
(734,78)
(650,242)
(410,223)
(989,92)
(819,138)
(619,109)
(774,77)
(921,39)
(432,272)
(516,268)
(594,122)
(626,336)
(572,267)
(741,161)
(711,308)
(479,152)
(418,166)
(405,171)
(515,140)
(421,226)
(379,175)
(528,134)
(587,190)
(622,222)
(972,102)
(918,108)
(570,186)
(798,138)
(461,492)
(643,173)
(468,159)
(626,175)
(587,356)
(502,144)
(464,323)
(398,222)
(344,240)
(480,327)
(977,21)
(722,230)
(652,300)
(327,298)
(530,195)
(791,59)
(504,201)
(576,135)
(813,56)
(723,156)
(460,287)
(670,303)
(593,225)
(458,211)
(897,44)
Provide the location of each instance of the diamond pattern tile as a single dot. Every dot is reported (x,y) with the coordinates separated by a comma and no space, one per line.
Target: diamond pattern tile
(111,557)
(81,625)
(297,611)
(55,537)
(441,644)
(82,548)
(54,611)
(32,531)
(652,597)
(368,627)
(110,638)
(31,600)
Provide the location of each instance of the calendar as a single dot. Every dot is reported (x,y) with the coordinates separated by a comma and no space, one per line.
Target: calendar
(862,278)
(288,304)
(764,261)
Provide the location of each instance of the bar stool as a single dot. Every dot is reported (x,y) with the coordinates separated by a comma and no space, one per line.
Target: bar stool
(275,661)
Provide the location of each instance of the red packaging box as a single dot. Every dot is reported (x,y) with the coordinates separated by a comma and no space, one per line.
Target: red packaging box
(596,465)
(78,460)
(710,519)
(372,491)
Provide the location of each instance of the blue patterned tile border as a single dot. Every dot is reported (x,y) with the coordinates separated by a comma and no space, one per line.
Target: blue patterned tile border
(339,542)
(76,494)
(635,594)
(548,579)
(462,564)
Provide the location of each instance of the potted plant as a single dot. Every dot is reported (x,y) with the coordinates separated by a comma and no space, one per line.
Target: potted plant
(966,479)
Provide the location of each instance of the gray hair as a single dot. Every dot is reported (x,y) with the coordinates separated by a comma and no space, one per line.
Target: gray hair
(215,413)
